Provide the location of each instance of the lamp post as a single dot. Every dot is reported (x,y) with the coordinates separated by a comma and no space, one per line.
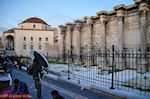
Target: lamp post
(68,64)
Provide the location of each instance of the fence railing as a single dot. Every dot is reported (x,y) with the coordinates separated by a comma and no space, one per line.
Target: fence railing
(125,71)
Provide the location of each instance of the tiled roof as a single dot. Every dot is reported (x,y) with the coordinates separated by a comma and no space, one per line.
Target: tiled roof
(9,31)
(34,20)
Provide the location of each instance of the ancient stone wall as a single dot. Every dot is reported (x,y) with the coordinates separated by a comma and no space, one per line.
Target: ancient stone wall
(126,27)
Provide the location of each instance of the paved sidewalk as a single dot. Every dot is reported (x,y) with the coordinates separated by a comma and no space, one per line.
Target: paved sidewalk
(68,91)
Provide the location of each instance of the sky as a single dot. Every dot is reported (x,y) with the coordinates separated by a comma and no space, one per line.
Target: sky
(53,12)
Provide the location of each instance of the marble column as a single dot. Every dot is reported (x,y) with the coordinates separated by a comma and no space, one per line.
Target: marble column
(103,22)
(69,37)
(62,43)
(78,25)
(143,20)
(144,7)
(120,13)
(120,18)
(69,42)
(89,23)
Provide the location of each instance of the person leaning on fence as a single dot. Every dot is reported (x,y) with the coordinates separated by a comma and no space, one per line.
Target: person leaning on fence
(36,72)
(55,95)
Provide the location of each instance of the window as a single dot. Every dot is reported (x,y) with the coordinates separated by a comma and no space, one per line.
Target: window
(24,38)
(34,26)
(24,46)
(31,46)
(47,39)
(31,38)
(56,39)
(22,26)
(40,39)
(40,47)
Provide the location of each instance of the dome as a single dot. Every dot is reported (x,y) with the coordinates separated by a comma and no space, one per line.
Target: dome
(34,20)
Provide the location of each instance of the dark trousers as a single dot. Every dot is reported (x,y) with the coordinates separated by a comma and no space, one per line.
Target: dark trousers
(38,87)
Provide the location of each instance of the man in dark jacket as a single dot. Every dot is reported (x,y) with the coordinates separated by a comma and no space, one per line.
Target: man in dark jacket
(36,72)
(56,95)
(20,87)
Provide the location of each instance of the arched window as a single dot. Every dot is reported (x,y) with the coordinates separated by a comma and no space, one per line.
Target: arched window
(24,38)
(56,39)
(40,47)
(34,26)
(24,46)
(31,38)
(47,39)
(40,39)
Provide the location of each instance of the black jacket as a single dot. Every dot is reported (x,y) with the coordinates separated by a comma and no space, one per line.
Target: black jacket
(36,69)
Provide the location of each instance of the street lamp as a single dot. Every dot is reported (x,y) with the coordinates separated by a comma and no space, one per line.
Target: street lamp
(68,64)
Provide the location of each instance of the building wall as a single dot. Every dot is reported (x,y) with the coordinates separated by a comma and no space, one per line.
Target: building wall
(30,26)
(19,41)
(127,27)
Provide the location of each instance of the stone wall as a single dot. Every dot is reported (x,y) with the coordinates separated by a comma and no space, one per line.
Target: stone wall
(126,27)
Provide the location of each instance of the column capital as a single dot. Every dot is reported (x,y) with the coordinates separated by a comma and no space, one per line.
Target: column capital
(69,25)
(120,11)
(120,15)
(88,20)
(103,15)
(144,8)
(62,28)
(78,24)
(144,5)
(141,1)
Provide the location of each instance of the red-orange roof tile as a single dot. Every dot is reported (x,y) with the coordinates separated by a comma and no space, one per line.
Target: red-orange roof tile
(34,20)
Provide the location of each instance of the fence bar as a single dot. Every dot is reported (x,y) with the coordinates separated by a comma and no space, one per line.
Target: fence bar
(113,57)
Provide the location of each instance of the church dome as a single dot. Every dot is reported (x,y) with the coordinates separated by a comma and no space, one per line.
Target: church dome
(34,20)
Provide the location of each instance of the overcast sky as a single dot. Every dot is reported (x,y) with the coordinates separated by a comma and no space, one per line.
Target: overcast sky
(53,12)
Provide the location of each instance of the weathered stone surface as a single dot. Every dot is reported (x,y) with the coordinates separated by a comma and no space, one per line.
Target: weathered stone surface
(127,27)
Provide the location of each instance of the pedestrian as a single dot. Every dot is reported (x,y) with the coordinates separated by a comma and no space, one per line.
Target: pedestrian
(55,95)
(10,67)
(5,67)
(36,72)
(20,87)
(21,63)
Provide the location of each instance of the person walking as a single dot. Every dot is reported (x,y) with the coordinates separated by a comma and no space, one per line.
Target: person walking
(10,67)
(55,95)
(36,72)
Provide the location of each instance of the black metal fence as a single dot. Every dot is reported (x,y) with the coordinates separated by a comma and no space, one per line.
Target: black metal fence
(126,71)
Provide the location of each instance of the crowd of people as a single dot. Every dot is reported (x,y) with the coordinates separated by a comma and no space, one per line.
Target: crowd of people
(8,63)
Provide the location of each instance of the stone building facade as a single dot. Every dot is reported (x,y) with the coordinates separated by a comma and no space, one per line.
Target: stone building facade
(126,27)
(31,34)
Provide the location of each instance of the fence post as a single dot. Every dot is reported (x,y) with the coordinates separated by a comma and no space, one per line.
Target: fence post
(113,56)
(68,64)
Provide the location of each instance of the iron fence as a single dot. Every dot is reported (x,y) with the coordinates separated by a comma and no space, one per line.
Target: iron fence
(126,71)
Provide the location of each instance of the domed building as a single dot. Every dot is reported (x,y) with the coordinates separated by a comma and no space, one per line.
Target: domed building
(31,34)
